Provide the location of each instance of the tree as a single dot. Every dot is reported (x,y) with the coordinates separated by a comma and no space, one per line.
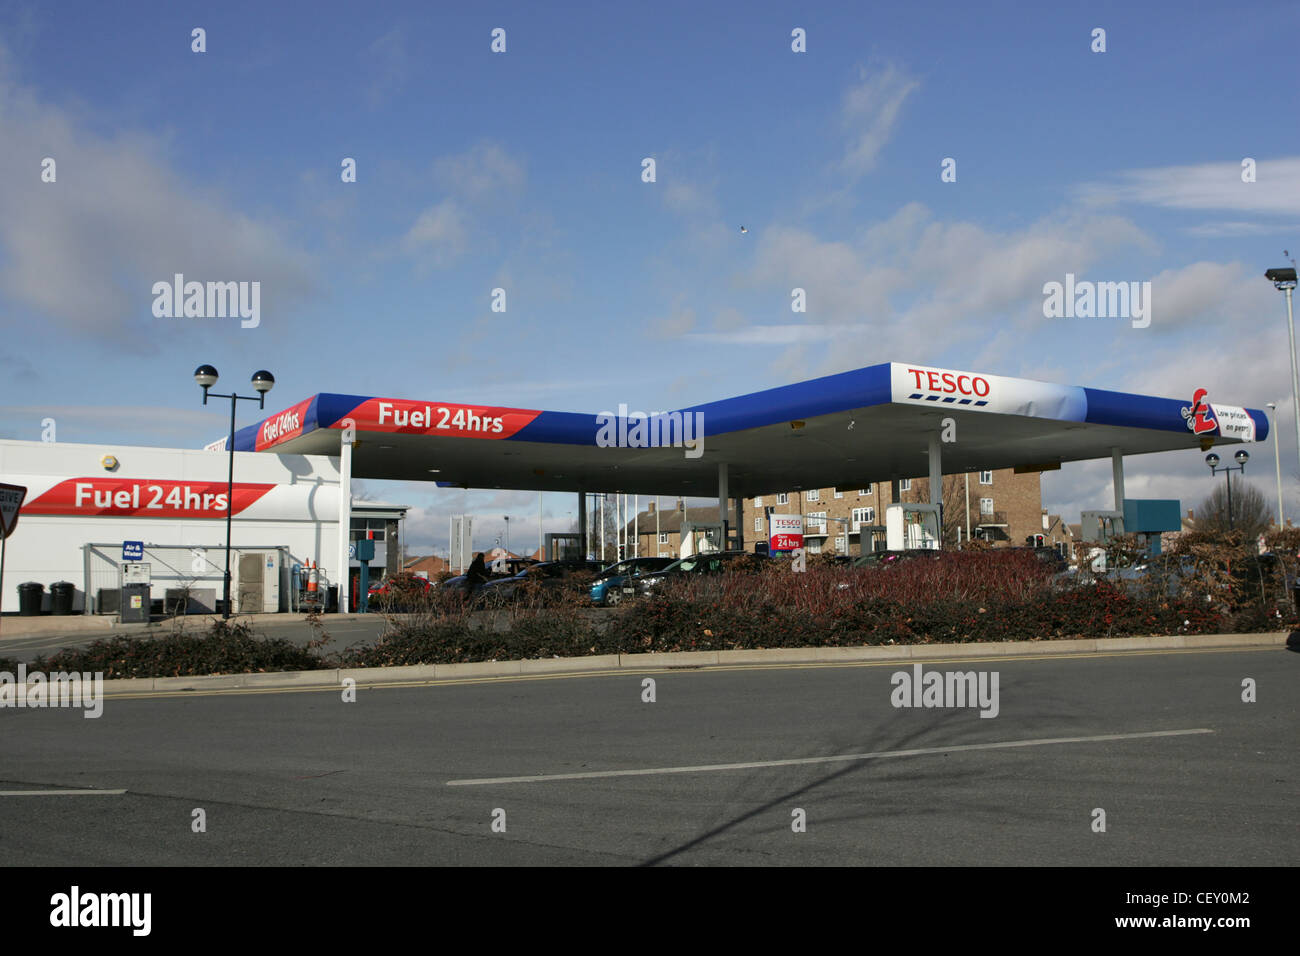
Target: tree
(954,511)
(1250,510)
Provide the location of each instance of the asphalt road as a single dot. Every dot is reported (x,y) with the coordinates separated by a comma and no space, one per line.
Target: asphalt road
(301,777)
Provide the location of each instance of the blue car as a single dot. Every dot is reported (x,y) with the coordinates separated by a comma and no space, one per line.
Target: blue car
(615,582)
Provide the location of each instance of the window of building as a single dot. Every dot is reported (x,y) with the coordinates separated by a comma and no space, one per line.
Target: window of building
(814,494)
(813,547)
(758,502)
(986,506)
(839,543)
(862,516)
(783,499)
(758,522)
(986,477)
(663,537)
(905,484)
(815,522)
(838,493)
(360,526)
(865,491)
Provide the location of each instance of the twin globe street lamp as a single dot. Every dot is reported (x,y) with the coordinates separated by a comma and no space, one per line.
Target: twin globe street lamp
(1241,458)
(263,382)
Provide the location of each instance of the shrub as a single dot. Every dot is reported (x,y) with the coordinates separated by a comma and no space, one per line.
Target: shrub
(226,648)
(1208,584)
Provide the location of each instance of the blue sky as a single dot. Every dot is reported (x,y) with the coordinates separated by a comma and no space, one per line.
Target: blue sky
(522,170)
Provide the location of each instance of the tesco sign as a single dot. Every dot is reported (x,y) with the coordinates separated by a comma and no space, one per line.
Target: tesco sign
(785,533)
(975,392)
(947,383)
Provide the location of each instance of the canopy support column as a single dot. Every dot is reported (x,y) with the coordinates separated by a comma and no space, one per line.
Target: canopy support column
(582,524)
(722,503)
(1117,477)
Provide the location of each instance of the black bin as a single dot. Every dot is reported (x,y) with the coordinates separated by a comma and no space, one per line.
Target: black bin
(30,596)
(61,593)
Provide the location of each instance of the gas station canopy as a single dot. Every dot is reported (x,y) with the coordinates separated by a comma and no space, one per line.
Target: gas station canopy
(849,430)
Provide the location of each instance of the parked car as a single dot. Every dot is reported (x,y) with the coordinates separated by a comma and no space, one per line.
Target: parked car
(551,576)
(619,580)
(397,592)
(711,562)
(513,567)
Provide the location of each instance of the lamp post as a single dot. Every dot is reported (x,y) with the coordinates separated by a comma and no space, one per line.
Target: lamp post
(1284,281)
(1241,458)
(263,382)
(507,517)
(1277,460)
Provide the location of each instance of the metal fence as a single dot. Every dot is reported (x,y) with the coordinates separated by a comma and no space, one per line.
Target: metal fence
(188,579)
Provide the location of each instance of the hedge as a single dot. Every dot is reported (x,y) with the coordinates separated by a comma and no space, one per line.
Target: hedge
(965,597)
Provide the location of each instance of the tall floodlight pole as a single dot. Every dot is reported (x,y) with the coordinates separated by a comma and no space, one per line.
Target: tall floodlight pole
(1277,460)
(1284,281)
(263,382)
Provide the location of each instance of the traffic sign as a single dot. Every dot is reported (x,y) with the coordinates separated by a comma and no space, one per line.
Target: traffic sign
(11,499)
(132,550)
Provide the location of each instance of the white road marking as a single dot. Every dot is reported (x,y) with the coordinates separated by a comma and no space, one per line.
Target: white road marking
(840,758)
(61,793)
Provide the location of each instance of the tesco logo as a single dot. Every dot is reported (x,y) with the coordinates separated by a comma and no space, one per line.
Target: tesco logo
(949,383)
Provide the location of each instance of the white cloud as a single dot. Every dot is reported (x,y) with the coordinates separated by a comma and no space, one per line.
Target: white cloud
(909,285)
(389,61)
(769,335)
(439,233)
(481,172)
(1237,229)
(869,114)
(677,323)
(84,251)
(1227,295)
(475,180)
(120,423)
(1276,190)
(728,318)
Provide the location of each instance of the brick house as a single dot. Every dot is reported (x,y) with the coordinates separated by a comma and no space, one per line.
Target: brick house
(666,540)
(430,566)
(1005,509)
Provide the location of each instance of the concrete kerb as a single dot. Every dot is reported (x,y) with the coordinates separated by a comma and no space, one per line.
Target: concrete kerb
(685,659)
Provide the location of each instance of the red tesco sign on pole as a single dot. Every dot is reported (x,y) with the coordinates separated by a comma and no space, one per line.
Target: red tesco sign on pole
(785,533)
